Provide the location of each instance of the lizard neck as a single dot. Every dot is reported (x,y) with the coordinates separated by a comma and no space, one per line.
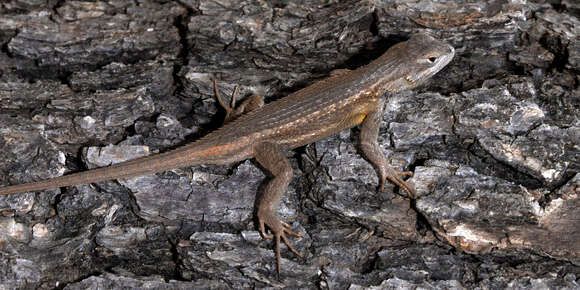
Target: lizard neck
(408,64)
(388,72)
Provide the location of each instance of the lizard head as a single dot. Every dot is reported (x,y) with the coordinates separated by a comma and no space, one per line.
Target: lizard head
(408,64)
(427,57)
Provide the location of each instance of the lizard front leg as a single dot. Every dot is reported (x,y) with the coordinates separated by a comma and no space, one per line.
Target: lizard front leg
(273,159)
(372,152)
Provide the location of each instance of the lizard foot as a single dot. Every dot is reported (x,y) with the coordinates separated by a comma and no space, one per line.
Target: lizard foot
(395,177)
(232,111)
(279,230)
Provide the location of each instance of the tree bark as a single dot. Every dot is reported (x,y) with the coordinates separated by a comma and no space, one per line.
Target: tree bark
(493,141)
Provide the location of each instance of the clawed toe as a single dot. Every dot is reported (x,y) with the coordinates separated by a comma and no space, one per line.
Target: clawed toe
(263,231)
(282,235)
(395,177)
(288,244)
(406,173)
(279,230)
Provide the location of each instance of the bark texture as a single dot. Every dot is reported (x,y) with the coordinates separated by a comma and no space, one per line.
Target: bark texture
(493,140)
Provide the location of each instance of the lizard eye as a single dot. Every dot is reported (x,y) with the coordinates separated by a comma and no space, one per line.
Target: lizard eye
(431,59)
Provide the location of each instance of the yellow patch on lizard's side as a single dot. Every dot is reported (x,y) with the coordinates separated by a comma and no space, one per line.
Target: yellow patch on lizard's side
(357,119)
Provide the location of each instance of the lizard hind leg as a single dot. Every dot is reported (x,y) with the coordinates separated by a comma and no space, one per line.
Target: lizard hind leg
(232,112)
(273,159)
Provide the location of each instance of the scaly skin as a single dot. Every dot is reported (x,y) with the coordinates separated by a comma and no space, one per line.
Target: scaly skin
(345,99)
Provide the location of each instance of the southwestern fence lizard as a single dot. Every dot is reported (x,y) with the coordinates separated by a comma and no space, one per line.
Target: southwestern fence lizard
(347,98)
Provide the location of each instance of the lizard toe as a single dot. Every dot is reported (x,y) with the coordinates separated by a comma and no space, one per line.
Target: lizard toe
(395,178)
(263,231)
(289,245)
(282,236)
(279,230)
(406,173)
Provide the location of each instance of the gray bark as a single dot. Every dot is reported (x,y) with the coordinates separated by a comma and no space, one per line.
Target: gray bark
(493,140)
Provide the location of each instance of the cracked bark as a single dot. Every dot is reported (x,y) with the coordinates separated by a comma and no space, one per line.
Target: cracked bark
(493,141)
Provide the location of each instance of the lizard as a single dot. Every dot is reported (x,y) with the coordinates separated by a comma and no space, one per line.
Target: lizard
(345,99)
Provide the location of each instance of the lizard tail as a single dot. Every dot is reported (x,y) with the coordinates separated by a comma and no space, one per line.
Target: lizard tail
(139,166)
(181,157)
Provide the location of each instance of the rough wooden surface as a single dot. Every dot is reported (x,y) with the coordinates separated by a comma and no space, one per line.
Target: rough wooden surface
(494,141)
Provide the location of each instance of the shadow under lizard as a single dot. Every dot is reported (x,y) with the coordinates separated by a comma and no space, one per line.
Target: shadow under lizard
(265,132)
